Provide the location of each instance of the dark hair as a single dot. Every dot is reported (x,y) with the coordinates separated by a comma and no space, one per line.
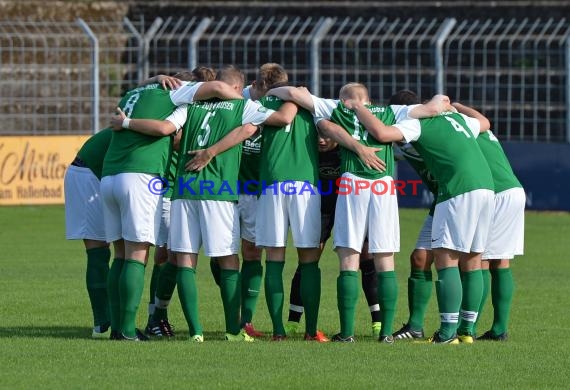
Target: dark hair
(404,97)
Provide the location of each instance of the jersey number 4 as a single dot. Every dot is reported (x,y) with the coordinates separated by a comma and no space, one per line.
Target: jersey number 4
(457,126)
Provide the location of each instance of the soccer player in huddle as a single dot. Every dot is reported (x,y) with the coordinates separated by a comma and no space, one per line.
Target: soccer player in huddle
(84,221)
(132,212)
(506,238)
(377,215)
(464,208)
(209,215)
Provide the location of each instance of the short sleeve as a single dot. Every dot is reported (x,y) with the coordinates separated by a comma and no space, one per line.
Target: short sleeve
(255,113)
(178,117)
(473,124)
(410,128)
(184,94)
(323,107)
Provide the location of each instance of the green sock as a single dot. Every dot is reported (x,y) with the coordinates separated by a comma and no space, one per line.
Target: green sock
(188,294)
(311,294)
(419,293)
(152,290)
(230,291)
(486,288)
(251,275)
(215,269)
(502,289)
(472,282)
(96,277)
(131,285)
(164,289)
(274,294)
(449,294)
(113,293)
(347,290)
(387,298)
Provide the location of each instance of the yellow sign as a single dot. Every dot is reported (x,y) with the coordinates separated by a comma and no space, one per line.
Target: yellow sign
(32,168)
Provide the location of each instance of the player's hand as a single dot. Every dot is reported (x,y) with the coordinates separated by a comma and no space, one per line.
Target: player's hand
(442,103)
(368,156)
(117,119)
(351,104)
(169,82)
(201,158)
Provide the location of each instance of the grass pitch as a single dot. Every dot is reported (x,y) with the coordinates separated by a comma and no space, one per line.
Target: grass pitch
(45,325)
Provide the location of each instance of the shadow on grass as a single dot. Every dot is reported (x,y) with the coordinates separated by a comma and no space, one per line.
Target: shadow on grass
(57,332)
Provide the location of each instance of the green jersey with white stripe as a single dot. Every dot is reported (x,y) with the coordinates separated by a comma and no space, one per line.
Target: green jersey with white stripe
(350,162)
(449,148)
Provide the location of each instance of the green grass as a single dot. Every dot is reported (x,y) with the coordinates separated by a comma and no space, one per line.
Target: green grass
(45,325)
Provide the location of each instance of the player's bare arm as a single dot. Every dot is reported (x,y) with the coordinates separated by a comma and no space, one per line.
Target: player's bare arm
(153,127)
(300,95)
(284,116)
(373,125)
(437,105)
(167,82)
(367,154)
(216,89)
(473,113)
(202,157)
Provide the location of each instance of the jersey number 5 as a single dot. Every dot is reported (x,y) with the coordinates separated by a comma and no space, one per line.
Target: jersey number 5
(203,138)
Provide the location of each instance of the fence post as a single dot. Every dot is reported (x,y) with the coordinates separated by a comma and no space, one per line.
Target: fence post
(193,43)
(146,47)
(440,37)
(318,36)
(568,89)
(139,38)
(95,72)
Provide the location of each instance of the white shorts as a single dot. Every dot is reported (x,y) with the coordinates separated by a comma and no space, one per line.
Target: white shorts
(132,212)
(462,223)
(294,204)
(506,238)
(361,212)
(162,238)
(83,205)
(424,238)
(211,222)
(247,209)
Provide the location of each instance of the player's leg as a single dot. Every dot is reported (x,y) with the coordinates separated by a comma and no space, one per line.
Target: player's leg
(472,283)
(419,284)
(502,289)
(251,277)
(486,275)
(188,292)
(165,285)
(349,232)
(305,218)
(251,269)
(449,293)
(370,288)
(84,220)
(185,240)
(96,274)
(295,304)
(383,242)
(271,227)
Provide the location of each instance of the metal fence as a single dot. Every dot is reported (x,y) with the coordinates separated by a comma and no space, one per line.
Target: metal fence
(65,78)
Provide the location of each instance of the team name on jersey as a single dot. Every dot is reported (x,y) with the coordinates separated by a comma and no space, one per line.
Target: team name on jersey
(371,109)
(223,105)
(145,87)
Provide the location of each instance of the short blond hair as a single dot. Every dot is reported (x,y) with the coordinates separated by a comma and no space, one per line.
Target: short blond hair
(354,91)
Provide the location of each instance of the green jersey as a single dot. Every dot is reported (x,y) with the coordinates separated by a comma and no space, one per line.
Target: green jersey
(417,163)
(350,162)
(249,166)
(449,148)
(290,152)
(503,175)
(93,151)
(131,151)
(170,173)
(208,122)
